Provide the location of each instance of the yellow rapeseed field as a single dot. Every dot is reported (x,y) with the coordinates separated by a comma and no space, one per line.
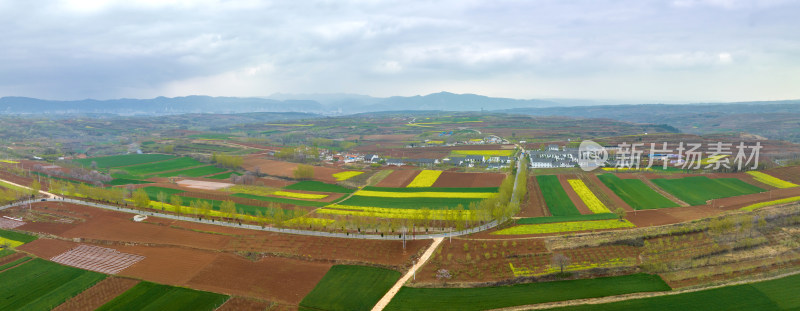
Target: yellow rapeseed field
(425,178)
(588,197)
(297,195)
(460,195)
(770,180)
(346,175)
(566,227)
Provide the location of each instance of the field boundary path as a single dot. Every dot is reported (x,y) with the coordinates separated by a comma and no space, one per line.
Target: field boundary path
(663,192)
(402,281)
(634,296)
(155,213)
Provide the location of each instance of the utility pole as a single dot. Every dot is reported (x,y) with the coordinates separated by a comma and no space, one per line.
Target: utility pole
(404,238)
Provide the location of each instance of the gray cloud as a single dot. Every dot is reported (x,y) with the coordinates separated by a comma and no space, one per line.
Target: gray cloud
(682,50)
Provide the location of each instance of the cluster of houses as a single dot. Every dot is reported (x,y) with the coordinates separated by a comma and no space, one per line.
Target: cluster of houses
(488,140)
(489,162)
(553,156)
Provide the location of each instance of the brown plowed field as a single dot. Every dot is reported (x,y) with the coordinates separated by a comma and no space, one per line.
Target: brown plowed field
(454,179)
(286,169)
(664,216)
(276,279)
(274,182)
(534,206)
(97,295)
(398,178)
(789,173)
(118,228)
(47,248)
(579,204)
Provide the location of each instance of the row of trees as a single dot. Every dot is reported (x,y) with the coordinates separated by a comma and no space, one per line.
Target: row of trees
(226,160)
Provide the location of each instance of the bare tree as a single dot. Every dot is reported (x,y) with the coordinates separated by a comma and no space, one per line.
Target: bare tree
(560,260)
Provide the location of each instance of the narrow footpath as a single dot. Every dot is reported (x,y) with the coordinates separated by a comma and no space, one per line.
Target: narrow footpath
(402,281)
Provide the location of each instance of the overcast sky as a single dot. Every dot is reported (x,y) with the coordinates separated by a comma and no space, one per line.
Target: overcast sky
(682,50)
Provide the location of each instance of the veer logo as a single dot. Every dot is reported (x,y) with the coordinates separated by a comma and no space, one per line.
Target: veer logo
(591,155)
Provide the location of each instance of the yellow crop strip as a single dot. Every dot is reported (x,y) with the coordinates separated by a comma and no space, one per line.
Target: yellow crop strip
(298,195)
(566,227)
(588,197)
(758,205)
(461,195)
(346,175)
(425,178)
(9,161)
(487,153)
(586,265)
(400,213)
(770,180)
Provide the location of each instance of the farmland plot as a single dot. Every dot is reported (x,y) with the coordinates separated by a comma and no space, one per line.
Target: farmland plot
(635,192)
(697,190)
(778,294)
(483,298)
(168,165)
(350,288)
(123,160)
(42,285)
(151,296)
(556,198)
(592,202)
(425,178)
(771,180)
(571,226)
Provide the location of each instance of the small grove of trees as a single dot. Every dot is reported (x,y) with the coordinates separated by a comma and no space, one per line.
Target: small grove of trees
(226,160)
(9,195)
(304,172)
(298,154)
(35,187)
(168,148)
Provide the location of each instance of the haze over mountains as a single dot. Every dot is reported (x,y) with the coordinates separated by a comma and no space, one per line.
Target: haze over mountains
(339,104)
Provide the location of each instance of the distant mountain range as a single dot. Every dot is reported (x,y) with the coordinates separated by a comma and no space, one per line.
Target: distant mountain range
(326,104)
(343,104)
